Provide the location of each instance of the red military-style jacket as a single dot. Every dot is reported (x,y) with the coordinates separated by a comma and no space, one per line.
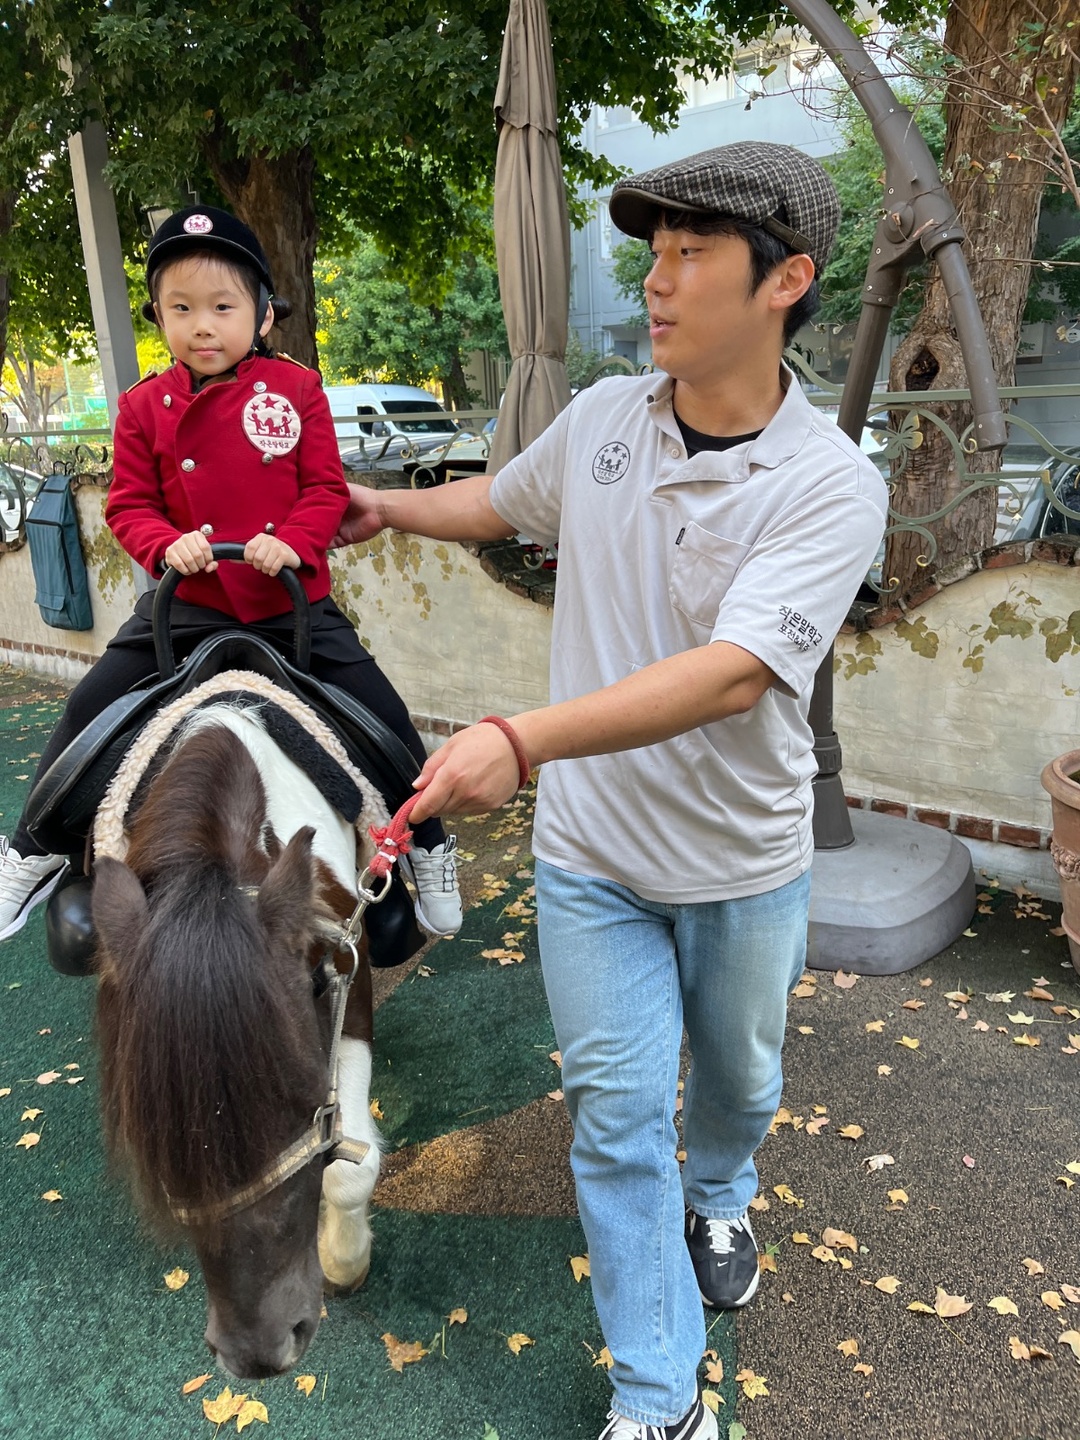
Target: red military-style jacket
(255,454)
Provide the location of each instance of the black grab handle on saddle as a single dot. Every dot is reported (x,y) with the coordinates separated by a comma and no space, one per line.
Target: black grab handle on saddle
(229,550)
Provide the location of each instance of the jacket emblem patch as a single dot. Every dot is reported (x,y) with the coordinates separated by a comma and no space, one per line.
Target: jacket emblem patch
(271,423)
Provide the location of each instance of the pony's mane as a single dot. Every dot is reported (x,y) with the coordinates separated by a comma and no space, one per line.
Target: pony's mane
(211,1056)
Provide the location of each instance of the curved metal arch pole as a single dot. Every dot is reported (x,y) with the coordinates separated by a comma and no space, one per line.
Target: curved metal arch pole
(920,220)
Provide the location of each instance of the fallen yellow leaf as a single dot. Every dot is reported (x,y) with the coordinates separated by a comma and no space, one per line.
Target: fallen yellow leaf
(29,1140)
(48,1076)
(949,1306)
(518,1342)
(1072,1339)
(1071,1293)
(1052,1300)
(823,1253)
(1034,1267)
(579,1265)
(176,1279)
(800,1237)
(458,1316)
(31,1114)
(714,1371)
(605,1358)
(1003,1305)
(863,1369)
(839,1240)
(848,1348)
(1021,1019)
(908,1043)
(898,1197)
(889,1284)
(815,1126)
(875,1027)
(712,1400)
(1019,1351)
(767,1262)
(52,1196)
(305,1384)
(376,1110)
(921,1307)
(806,1030)
(851,1132)
(190,1386)
(785,1193)
(402,1352)
(249,1411)
(913,1005)
(753,1386)
(1031,1040)
(884,1069)
(222,1410)
(759,1203)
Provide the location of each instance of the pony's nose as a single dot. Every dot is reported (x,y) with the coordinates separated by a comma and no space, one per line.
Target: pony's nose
(247,1359)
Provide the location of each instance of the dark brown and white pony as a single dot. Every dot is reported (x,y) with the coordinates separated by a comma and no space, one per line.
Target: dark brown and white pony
(214,1041)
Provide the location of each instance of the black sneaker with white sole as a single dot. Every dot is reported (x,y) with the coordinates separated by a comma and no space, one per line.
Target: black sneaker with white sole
(699,1423)
(725,1258)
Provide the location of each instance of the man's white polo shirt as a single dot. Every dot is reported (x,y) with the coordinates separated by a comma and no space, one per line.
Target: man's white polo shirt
(763,545)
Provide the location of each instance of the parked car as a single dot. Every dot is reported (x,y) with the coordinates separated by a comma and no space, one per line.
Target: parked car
(1029,515)
(374,411)
(18,490)
(389,452)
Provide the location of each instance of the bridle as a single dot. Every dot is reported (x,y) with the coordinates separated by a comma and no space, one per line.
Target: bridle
(324,1136)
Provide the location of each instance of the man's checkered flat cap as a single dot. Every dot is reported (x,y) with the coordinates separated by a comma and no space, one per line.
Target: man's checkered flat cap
(774,186)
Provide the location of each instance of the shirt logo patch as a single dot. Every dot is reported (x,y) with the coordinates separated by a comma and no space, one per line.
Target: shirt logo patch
(610,463)
(798,630)
(271,423)
(198,225)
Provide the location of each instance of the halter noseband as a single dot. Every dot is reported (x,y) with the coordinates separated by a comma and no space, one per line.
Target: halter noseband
(324,1136)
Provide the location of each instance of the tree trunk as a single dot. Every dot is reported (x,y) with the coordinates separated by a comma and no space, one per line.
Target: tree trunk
(7,219)
(275,195)
(456,392)
(997,189)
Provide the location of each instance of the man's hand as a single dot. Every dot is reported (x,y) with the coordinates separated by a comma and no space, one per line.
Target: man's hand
(191,553)
(362,519)
(475,771)
(269,554)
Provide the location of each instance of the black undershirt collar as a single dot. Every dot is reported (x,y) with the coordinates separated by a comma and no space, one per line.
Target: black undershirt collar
(696,440)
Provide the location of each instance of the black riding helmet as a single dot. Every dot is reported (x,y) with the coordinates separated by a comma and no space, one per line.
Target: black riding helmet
(203,227)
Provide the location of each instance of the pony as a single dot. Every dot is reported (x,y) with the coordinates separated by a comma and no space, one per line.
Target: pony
(216,1042)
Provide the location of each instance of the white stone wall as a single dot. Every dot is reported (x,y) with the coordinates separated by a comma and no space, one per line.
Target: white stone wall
(455,643)
(959,707)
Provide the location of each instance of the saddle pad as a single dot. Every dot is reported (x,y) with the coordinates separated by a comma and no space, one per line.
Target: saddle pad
(109,837)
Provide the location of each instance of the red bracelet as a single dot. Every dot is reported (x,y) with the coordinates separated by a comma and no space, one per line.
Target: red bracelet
(524,768)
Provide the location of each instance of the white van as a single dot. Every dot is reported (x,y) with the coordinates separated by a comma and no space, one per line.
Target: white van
(383,403)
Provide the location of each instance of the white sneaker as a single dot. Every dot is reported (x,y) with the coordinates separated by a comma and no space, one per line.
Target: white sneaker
(434,874)
(699,1423)
(24,883)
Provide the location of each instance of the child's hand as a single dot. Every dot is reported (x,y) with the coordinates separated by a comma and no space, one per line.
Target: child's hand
(191,553)
(268,554)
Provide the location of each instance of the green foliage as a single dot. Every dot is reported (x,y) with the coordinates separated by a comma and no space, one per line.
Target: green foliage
(633,261)
(373,328)
(579,361)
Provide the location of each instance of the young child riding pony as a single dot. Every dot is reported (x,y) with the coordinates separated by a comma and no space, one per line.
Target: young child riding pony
(231,443)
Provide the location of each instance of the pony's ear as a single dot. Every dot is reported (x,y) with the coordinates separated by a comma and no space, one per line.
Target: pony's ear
(118,903)
(286,903)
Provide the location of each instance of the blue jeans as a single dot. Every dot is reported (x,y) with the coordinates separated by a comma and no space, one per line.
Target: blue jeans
(623,975)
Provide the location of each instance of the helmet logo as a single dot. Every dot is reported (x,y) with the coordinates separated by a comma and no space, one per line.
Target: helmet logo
(198,224)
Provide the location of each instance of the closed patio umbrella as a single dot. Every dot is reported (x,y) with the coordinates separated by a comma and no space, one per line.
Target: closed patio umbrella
(532,233)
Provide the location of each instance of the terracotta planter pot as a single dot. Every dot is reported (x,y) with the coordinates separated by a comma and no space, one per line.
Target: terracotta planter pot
(1060,781)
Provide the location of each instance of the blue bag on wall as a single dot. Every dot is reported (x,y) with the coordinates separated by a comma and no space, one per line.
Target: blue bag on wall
(52,528)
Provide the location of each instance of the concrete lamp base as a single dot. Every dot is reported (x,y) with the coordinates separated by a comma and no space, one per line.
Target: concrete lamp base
(900,894)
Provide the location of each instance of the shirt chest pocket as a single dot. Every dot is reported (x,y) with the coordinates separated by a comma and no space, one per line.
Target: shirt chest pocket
(702,572)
